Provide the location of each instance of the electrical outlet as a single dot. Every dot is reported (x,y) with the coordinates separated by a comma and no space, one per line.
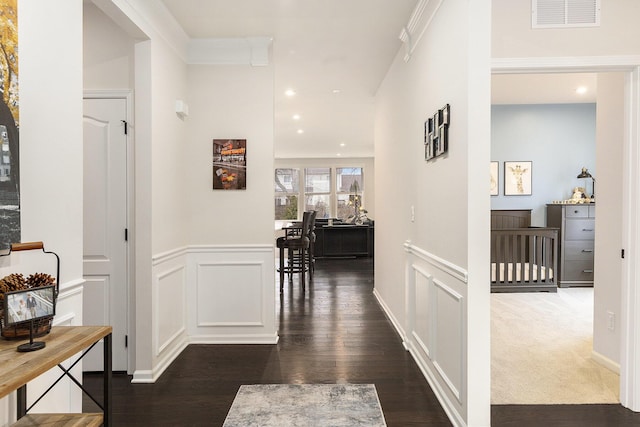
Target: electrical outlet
(611,321)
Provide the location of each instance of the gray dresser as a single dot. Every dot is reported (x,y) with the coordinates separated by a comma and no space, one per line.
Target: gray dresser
(577,225)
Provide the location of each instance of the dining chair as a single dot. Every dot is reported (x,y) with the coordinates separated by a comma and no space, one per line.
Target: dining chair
(297,248)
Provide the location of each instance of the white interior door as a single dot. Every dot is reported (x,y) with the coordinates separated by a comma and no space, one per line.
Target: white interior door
(105,293)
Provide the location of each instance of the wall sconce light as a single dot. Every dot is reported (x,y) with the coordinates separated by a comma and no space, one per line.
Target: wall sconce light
(585,175)
(182,109)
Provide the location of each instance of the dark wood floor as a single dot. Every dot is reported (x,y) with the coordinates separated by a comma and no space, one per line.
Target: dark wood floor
(333,333)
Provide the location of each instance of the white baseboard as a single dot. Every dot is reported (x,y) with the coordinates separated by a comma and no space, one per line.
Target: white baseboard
(150,376)
(606,362)
(396,324)
(234,339)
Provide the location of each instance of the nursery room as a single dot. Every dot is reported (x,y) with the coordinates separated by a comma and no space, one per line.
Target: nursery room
(554,283)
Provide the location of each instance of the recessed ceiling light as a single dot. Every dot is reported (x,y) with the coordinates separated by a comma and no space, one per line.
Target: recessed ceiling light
(290,92)
(581,90)
(338,154)
(296,117)
(300,131)
(336,91)
(342,144)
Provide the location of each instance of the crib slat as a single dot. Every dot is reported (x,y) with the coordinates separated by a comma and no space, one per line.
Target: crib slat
(514,258)
(539,258)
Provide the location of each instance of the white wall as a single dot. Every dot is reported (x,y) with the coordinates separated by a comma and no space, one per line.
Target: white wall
(51,161)
(442,308)
(236,102)
(108,52)
(183,230)
(513,36)
(608,241)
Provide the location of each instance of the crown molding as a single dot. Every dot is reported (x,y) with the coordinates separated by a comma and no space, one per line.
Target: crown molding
(143,19)
(421,18)
(232,51)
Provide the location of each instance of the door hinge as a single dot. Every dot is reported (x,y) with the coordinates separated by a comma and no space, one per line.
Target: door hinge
(622,253)
(125,126)
(126,234)
(126,341)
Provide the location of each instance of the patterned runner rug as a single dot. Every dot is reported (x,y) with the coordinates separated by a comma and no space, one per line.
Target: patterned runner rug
(317,405)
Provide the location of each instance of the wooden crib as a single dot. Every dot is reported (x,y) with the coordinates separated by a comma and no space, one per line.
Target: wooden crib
(523,258)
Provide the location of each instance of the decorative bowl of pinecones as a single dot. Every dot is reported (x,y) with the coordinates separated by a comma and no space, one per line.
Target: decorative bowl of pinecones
(17,282)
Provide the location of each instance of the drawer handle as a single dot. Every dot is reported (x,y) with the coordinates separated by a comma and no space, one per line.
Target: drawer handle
(587,271)
(587,229)
(587,250)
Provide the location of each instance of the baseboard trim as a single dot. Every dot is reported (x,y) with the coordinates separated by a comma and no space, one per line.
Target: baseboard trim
(234,339)
(391,317)
(150,376)
(606,362)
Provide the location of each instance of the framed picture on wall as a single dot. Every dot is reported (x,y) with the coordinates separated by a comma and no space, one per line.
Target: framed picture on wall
(493,172)
(229,164)
(517,178)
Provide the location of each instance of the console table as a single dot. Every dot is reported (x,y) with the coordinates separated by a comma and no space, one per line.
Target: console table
(63,342)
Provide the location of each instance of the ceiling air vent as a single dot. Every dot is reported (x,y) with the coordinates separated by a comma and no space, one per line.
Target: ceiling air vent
(565,13)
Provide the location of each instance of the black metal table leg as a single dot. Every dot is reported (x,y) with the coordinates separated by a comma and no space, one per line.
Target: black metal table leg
(108,410)
(22,401)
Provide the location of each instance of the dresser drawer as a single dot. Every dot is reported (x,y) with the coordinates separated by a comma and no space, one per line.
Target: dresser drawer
(579,229)
(577,212)
(579,250)
(578,271)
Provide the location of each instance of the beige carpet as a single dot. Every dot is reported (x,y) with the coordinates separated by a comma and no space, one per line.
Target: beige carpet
(541,347)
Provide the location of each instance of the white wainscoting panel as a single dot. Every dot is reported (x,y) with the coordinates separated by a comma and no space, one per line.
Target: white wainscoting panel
(423,306)
(231,295)
(450,339)
(169,322)
(435,326)
(170,307)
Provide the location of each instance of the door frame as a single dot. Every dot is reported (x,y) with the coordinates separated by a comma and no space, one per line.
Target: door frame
(630,294)
(127,95)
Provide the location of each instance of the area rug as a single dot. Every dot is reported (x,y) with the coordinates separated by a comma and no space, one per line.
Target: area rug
(317,405)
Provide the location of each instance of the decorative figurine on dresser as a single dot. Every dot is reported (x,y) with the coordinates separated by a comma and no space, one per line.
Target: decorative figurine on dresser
(576,241)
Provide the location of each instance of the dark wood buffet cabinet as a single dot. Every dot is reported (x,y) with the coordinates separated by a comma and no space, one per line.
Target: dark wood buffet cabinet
(343,240)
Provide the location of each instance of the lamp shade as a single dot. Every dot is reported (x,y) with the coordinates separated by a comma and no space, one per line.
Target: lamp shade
(584,174)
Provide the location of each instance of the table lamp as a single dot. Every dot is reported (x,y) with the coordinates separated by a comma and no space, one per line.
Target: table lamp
(585,174)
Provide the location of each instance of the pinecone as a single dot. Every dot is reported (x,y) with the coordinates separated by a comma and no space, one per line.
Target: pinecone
(37,280)
(12,282)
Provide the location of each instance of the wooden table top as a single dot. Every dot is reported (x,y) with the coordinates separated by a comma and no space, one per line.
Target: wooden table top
(17,369)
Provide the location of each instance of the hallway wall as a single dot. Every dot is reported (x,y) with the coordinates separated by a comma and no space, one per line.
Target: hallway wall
(191,242)
(432,217)
(51,168)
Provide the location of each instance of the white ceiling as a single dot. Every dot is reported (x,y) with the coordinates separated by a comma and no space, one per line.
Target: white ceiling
(318,46)
(348,45)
